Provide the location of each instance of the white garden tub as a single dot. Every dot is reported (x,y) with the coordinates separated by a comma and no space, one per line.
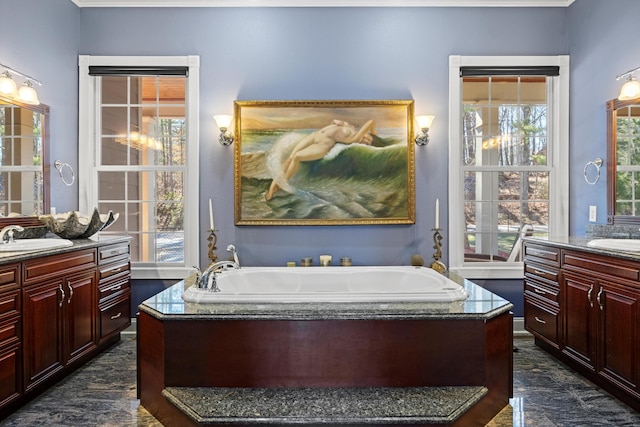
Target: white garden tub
(329,284)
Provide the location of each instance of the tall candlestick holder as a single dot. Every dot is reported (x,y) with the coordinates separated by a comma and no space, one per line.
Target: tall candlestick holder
(437,265)
(213,240)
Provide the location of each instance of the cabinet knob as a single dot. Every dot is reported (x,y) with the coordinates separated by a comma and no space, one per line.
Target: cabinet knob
(539,320)
(116,316)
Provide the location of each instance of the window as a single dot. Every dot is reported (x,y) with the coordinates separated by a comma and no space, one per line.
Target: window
(508,159)
(140,116)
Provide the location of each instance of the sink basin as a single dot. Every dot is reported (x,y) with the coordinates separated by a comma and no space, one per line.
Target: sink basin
(628,245)
(22,245)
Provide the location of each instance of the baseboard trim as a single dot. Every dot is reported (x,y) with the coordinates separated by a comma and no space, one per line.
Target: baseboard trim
(518,328)
(132,329)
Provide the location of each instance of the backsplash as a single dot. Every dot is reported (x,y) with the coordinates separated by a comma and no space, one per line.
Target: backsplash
(613,231)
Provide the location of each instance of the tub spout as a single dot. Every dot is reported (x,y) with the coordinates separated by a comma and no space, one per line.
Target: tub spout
(207,280)
(232,249)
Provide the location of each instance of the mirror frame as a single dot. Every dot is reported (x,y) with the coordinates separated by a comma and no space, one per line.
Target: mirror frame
(612,115)
(32,221)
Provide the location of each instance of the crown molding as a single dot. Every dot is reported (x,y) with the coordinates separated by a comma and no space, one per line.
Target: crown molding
(323,3)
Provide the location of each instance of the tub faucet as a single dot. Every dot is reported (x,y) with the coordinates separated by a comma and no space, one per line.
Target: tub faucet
(232,249)
(207,279)
(8,231)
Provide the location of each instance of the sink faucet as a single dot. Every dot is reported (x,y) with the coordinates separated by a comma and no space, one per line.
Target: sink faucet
(207,278)
(8,231)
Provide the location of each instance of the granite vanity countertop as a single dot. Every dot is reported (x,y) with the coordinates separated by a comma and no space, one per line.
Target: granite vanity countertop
(93,242)
(580,243)
(481,304)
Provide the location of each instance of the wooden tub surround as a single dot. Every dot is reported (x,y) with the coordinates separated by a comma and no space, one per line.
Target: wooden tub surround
(325,363)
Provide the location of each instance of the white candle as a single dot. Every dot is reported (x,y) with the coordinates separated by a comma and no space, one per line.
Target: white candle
(210,216)
(437,213)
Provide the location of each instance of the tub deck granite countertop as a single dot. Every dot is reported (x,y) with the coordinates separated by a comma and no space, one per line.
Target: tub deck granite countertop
(481,304)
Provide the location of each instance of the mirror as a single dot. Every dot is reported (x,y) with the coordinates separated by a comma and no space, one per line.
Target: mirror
(24,162)
(623,161)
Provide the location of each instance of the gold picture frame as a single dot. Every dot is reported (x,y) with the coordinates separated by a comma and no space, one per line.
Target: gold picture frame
(324,162)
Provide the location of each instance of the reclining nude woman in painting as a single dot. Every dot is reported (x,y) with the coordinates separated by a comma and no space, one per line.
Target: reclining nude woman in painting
(317,144)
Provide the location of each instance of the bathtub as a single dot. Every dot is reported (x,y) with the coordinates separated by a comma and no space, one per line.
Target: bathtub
(329,284)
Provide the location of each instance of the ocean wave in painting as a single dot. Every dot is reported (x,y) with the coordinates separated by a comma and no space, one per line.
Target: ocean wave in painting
(351,181)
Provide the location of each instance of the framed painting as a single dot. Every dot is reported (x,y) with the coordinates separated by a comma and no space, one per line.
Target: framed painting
(324,162)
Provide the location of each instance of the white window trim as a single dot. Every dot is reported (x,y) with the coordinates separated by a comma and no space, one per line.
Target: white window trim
(559,157)
(87,153)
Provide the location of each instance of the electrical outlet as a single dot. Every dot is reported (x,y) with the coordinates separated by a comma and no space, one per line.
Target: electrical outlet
(593,212)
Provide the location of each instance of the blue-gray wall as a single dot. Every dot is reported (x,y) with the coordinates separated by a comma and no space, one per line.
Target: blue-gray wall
(324,53)
(603,43)
(328,53)
(40,38)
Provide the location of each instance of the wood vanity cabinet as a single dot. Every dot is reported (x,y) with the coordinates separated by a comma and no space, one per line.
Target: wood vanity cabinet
(114,270)
(597,316)
(603,316)
(10,336)
(542,293)
(58,311)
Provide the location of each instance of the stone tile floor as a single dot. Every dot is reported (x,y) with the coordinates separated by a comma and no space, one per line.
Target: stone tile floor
(103,393)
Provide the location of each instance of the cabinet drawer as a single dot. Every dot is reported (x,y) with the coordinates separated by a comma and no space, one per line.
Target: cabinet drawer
(111,253)
(541,272)
(9,332)
(542,254)
(9,304)
(37,270)
(541,320)
(540,290)
(120,268)
(115,316)
(9,277)
(113,287)
(594,264)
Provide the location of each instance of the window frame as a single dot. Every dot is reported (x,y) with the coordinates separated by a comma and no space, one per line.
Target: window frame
(558,160)
(88,155)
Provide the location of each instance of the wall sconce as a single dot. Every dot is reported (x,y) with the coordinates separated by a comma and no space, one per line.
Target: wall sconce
(424,123)
(223,121)
(631,87)
(8,87)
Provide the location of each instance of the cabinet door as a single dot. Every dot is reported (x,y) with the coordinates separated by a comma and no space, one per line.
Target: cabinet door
(42,331)
(580,325)
(80,301)
(618,306)
(10,382)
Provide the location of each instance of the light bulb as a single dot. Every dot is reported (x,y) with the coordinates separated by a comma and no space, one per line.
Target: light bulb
(8,86)
(28,94)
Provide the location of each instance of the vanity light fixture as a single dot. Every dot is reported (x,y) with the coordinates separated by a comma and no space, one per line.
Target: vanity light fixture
(26,94)
(424,123)
(8,86)
(631,88)
(223,121)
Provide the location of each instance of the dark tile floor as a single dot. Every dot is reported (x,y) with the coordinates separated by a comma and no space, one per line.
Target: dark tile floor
(103,393)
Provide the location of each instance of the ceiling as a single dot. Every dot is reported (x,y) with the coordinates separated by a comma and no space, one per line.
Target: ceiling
(323,3)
